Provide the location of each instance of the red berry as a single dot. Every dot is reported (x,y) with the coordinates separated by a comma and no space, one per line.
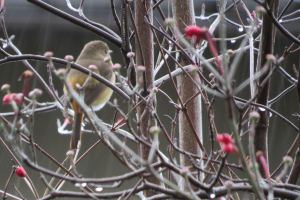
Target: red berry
(120,121)
(6,99)
(228,148)
(227,139)
(16,97)
(13,96)
(220,138)
(20,171)
(195,31)
(192,30)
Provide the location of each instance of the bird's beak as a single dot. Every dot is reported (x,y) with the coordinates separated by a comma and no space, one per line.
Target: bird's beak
(110,51)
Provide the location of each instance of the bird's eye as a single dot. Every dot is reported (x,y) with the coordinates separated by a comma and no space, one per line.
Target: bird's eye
(105,51)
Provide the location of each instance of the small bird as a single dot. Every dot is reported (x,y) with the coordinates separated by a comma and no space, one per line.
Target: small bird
(96,94)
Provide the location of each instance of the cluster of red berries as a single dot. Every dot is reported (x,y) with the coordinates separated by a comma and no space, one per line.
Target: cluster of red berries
(198,34)
(13,96)
(226,141)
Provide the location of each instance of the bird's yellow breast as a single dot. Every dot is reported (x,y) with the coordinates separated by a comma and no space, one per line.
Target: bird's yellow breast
(104,97)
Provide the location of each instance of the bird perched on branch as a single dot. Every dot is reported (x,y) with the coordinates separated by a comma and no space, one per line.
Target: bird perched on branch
(96,94)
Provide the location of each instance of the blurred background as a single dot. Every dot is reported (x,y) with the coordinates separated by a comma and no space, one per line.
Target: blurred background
(37,31)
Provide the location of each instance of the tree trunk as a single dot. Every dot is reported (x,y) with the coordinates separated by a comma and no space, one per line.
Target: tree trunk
(187,89)
(144,56)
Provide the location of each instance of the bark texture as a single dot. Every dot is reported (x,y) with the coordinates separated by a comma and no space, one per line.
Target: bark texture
(183,13)
(144,56)
(266,47)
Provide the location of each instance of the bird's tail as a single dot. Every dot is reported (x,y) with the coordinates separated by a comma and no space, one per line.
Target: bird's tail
(77,123)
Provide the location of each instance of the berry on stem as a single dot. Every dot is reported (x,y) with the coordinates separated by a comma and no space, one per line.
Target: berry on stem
(14,97)
(194,31)
(220,138)
(198,34)
(228,148)
(20,171)
(226,138)
(6,99)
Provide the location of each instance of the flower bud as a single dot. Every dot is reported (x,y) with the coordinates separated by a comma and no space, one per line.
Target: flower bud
(184,170)
(254,115)
(271,58)
(27,74)
(155,90)
(61,72)
(193,69)
(228,183)
(230,52)
(260,10)
(48,54)
(130,54)
(154,130)
(93,68)
(116,66)
(107,59)
(5,87)
(69,58)
(70,153)
(211,75)
(140,69)
(169,22)
(35,92)
(287,160)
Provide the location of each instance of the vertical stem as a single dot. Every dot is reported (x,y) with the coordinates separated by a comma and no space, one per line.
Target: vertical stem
(266,46)
(256,189)
(295,171)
